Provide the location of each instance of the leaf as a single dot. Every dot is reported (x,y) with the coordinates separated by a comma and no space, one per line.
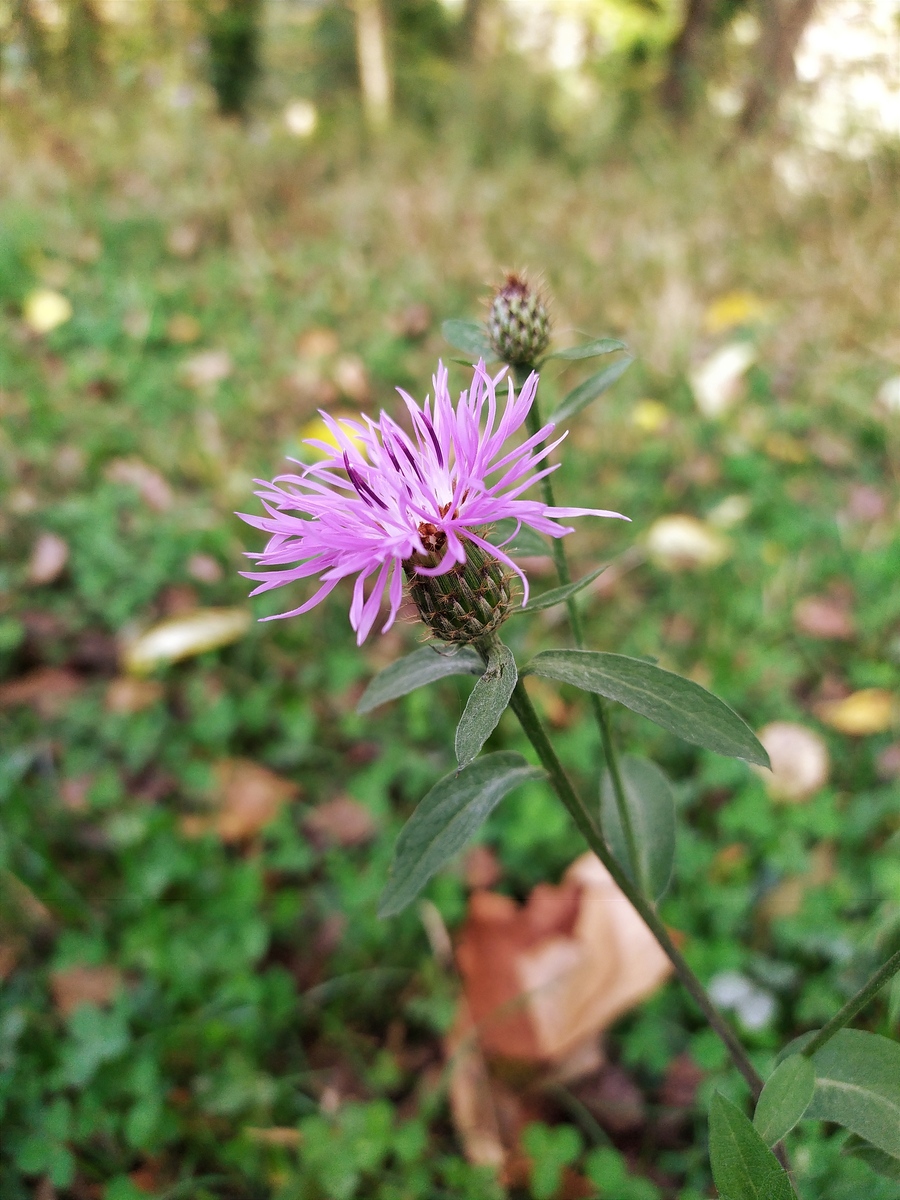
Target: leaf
(652,810)
(487,702)
(743,1166)
(677,704)
(470,337)
(588,350)
(858,1087)
(414,671)
(785,1098)
(581,396)
(561,594)
(185,636)
(446,819)
(880,1162)
(526,542)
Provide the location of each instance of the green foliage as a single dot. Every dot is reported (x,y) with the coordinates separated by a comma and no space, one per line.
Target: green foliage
(416,670)
(550,1151)
(651,808)
(486,704)
(785,1098)
(858,1086)
(744,1168)
(560,595)
(591,389)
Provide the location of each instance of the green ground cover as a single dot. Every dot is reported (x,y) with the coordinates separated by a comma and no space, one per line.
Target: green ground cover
(254,976)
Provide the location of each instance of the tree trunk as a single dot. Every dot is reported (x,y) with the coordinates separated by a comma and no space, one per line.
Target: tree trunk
(479,29)
(680,85)
(784,22)
(372,59)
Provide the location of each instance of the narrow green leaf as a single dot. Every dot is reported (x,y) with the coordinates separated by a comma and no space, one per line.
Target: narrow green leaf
(677,704)
(858,1087)
(581,396)
(446,819)
(487,702)
(743,1166)
(526,542)
(652,811)
(880,1162)
(785,1098)
(415,670)
(561,594)
(470,337)
(588,350)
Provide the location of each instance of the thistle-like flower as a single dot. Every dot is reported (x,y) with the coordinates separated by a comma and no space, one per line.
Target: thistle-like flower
(518,322)
(386,504)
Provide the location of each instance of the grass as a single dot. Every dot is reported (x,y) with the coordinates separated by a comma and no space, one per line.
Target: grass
(256,982)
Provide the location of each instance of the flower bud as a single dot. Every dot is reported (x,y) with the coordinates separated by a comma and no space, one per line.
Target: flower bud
(518,323)
(465,604)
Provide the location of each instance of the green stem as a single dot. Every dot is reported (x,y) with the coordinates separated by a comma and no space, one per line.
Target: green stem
(536,734)
(599,709)
(854,1005)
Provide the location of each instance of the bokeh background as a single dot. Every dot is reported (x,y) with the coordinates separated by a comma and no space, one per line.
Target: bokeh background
(219,217)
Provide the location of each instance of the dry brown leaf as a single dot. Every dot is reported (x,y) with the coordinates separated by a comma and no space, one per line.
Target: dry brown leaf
(544,979)
(799,757)
(47,690)
(275,1135)
(204,568)
(127,695)
(205,370)
(151,487)
(9,956)
(482,868)
(48,559)
(183,329)
(871,710)
(73,792)
(340,822)
(318,343)
(471,1094)
(888,763)
(352,379)
(74,986)
(247,796)
(413,322)
(44,1190)
(183,240)
(826,617)
(866,503)
(182,637)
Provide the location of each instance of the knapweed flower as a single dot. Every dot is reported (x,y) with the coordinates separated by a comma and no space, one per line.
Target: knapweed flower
(518,323)
(387,504)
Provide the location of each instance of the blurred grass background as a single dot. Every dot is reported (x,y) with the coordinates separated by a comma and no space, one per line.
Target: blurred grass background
(210,230)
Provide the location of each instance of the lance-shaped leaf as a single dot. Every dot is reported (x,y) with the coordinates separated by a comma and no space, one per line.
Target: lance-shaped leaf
(785,1098)
(881,1163)
(581,396)
(470,337)
(415,670)
(527,542)
(487,702)
(651,807)
(446,819)
(559,595)
(743,1166)
(858,1087)
(589,350)
(677,704)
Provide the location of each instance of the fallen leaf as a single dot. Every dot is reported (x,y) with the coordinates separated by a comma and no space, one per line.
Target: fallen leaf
(47,690)
(204,568)
(45,310)
(730,512)
(127,695)
(826,617)
(683,543)
(185,636)
(888,762)
(247,797)
(413,322)
(471,1094)
(74,986)
(866,503)
(545,978)
(318,343)
(871,710)
(340,822)
(73,792)
(151,486)
(888,396)
(177,600)
(183,240)
(680,1083)
(733,310)
(482,868)
(48,559)
(614,1100)
(205,370)
(183,329)
(9,956)
(136,323)
(718,381)
(799,758)
(351,377)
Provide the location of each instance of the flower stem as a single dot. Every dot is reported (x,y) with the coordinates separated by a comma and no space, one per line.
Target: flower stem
(588,827)
(854,1005)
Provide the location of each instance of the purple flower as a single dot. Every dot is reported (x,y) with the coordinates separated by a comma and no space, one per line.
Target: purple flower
(385,498)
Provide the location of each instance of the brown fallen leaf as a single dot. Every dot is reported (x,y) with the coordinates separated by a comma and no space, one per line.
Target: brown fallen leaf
(9,956)
(48,559)
(205,370)
(482,868)
(871,710)
(184,636)
(340,822)
(613,1098)
(184,240)
(888,762)
(127,695)
(183,329)
(317,343)
(204,568)
(247,798)
(151,487)
(412,323)
(275,1135)
(546,978)
(352,379)
(74,986)
(73,792)
(825,617)
(799,757)
(47,690)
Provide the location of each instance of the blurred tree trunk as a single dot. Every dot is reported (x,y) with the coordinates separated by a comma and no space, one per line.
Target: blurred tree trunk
(783,25)
(684,74)
(34,37)
(83,53)
(232,37)
(375,82)
(479,29)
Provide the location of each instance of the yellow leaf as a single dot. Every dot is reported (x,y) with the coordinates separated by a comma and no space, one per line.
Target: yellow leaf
(872,710)
(734,309)
(650,416)
(184,636)
(44,310)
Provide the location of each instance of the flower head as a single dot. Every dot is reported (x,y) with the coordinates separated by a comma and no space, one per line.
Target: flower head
(387,503)
(518,322)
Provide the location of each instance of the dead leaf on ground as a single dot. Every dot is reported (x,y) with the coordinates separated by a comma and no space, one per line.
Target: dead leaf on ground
(204,568)
(871,710)
(151,487)
(47,690)
(182,637)
(73,792)
(247,798)
(127,695)
(826,617)
(888,762)
(352,379)
(9,956)
(275,1135)
(866,503)
(613,1098)
(413,322)
(182,328)
(682,1079)
(183,240)
(683,543)
(482,868)
(340,822)
(799,757)
(48,559)
(207,369)
(318,343)
(74,986)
